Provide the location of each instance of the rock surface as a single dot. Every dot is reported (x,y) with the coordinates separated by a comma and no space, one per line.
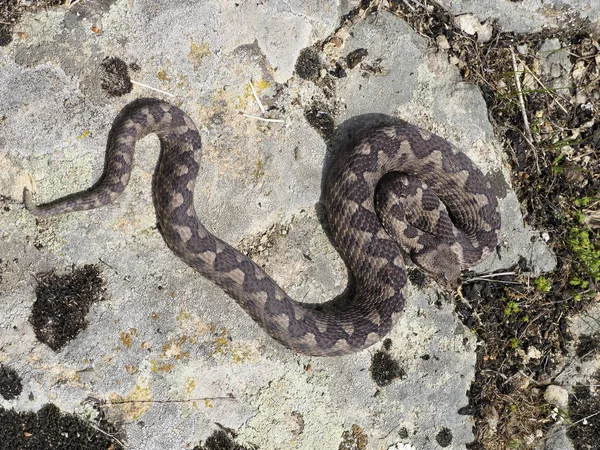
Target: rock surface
(172,352)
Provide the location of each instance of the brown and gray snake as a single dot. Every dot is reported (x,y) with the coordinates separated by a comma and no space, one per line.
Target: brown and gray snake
(432,200)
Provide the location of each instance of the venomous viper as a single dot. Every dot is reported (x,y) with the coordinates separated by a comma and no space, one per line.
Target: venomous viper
(431,199)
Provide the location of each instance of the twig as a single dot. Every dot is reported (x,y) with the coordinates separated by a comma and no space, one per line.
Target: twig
(499,274)
(420,4)
(529,138)
(260,105)
(152,88)
(108,265)
(127,402)
(489,276)
(550,91)
(491,281)
(250,116)
(411,7)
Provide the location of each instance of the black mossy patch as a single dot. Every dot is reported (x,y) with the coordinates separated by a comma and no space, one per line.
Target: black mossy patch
(444,437)
(51,429)
(417,277)
(62,303)
(385,369)
(319,117)
(588,346)
(584,406)
(115,77)
(10,383)
(355,57)
(308,64)
(223,439)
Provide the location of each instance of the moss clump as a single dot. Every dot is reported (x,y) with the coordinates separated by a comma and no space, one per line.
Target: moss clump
(581,241)
(542,284)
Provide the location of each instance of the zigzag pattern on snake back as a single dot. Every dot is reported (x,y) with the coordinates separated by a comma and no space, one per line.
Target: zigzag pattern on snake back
(375,260)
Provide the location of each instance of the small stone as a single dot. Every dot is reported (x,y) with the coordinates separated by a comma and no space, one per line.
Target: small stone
(485,32)
(521,382)
(533,353)
(467,23)
(557,396)
(442,42)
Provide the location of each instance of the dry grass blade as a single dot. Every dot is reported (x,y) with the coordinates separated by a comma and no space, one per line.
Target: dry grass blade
(526,125)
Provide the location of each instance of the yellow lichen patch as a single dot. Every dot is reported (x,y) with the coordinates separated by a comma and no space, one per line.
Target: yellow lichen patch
(259,86)
(248,95)
(190,385)
(259,170)
(131,369)
(160,367)
(83,135)
(207,403)
(238,352)
(162,76)
(173,349)
(136,403)
(126,337)
(62,375)
(192,327)
(197,53)
(183,315)
(222,342)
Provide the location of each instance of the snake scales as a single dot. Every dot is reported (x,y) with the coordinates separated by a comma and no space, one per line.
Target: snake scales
(466,222)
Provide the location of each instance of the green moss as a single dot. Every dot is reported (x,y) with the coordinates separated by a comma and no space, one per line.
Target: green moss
(542,284)
(511,308)
(581,241)
(514,343)
(556,167)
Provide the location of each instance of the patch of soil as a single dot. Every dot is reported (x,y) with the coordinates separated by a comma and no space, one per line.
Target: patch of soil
(51,429)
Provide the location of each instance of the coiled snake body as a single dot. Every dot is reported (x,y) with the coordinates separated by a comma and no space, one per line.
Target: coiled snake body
(466,221)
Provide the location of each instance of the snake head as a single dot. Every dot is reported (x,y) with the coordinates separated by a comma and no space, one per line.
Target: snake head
(444,263)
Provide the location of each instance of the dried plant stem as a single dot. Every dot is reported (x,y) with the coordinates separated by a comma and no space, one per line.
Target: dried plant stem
(152,88)
(529,137)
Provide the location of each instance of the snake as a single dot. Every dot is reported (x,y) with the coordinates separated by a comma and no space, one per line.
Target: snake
(396,193)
